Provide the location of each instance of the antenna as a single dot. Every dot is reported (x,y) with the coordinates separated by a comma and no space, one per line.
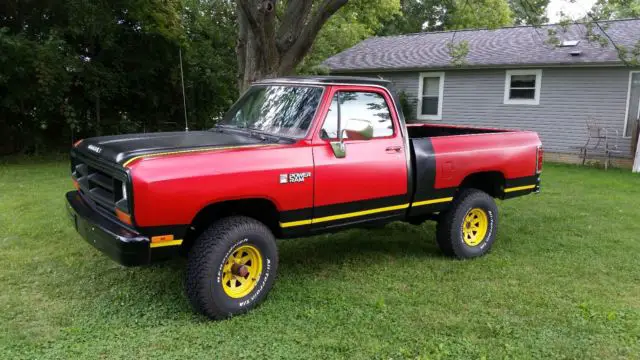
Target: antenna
(184,96)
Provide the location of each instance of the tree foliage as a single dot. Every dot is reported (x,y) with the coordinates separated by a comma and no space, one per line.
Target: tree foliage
(478,14)
(416,16)
(353,23)
(529,12)
(435,15)
(617,9)
(74,68)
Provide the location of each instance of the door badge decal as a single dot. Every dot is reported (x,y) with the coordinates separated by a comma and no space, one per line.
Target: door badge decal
(294,177)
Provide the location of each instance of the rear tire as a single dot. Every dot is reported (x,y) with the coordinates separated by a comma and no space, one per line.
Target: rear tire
(469,228)
(231,267)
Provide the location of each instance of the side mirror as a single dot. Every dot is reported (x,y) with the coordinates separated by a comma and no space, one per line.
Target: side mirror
(356,129)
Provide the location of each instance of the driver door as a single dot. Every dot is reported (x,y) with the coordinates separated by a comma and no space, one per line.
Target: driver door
(370,182)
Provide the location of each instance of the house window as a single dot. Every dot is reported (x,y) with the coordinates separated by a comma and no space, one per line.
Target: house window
(430,93)
(522,87)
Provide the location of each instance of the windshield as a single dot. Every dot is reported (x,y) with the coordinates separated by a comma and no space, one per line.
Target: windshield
(275,109)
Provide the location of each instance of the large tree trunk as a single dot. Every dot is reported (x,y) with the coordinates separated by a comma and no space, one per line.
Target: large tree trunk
(254,63)
(267,50)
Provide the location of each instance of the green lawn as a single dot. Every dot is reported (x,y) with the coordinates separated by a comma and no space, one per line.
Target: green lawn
(563,281)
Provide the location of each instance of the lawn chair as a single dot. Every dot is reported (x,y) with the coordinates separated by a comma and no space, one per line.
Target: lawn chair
(601,142)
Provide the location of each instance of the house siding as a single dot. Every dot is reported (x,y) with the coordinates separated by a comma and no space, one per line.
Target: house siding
(568,98)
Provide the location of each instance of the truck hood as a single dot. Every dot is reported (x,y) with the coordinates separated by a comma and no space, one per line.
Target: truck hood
(121,148)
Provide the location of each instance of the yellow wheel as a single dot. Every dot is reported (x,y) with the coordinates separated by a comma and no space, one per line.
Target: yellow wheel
(468,228)
(241,271)
(475,226)
(231,267)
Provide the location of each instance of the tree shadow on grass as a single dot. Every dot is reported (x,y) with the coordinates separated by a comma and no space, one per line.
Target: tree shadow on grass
(392,242)
(157,291)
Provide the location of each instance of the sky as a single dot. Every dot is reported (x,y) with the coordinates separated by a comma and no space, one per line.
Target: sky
(574,9)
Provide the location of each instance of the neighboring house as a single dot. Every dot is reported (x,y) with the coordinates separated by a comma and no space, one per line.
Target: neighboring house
(512,78)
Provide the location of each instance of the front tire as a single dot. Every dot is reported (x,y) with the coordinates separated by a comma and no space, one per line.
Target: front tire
(231,267)
(469,228)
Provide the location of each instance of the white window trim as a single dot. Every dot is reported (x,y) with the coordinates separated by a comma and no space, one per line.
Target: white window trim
(440,96)
(507,87)
(626,109)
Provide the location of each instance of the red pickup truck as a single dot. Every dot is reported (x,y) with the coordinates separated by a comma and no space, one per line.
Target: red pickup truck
(293,157)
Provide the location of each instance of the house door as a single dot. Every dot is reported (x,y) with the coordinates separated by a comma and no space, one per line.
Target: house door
(633,110)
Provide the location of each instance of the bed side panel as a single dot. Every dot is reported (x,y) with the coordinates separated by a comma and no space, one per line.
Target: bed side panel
(512,154)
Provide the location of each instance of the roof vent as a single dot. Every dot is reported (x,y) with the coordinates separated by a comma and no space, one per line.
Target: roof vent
(576,53)
(569,43)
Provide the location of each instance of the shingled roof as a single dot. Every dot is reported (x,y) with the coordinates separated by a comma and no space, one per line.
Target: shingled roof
(504,47)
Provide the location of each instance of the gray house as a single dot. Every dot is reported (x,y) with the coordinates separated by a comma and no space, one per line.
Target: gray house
(513,78)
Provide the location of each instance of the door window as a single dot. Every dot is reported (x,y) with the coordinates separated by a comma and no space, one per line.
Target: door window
(353,107)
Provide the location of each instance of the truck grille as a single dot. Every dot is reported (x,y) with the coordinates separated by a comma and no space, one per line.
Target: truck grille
(101,189)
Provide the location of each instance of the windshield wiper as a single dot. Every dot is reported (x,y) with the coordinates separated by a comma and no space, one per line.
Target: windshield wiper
(252,132)
(220,128)
(260,136)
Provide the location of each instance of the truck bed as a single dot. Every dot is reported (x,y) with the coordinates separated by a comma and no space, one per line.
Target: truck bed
(444,156)
(433,130)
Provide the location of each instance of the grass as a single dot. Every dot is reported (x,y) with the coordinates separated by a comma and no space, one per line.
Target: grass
(563,281)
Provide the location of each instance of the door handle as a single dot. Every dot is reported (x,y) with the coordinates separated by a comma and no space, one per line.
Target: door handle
(393,149)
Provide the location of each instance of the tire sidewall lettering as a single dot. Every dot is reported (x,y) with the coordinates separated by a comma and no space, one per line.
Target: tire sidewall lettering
(489,234)
(488,239)
(265,277)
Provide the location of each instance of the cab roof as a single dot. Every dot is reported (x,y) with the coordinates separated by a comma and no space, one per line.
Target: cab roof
(327,80)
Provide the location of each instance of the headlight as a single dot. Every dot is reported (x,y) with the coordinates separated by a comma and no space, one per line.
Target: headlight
(124,191)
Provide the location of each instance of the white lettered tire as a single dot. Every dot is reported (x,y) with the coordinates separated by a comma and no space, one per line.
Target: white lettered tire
(231,267)
(469,228)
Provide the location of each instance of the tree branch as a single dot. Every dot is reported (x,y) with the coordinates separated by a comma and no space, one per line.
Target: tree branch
(535,25)
(303,43)
(618,49)
(294,19)
(252,21)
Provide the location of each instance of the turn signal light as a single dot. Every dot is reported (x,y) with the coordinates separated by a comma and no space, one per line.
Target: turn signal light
(75,144)
(161,238)
(75,184)
(124,217)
